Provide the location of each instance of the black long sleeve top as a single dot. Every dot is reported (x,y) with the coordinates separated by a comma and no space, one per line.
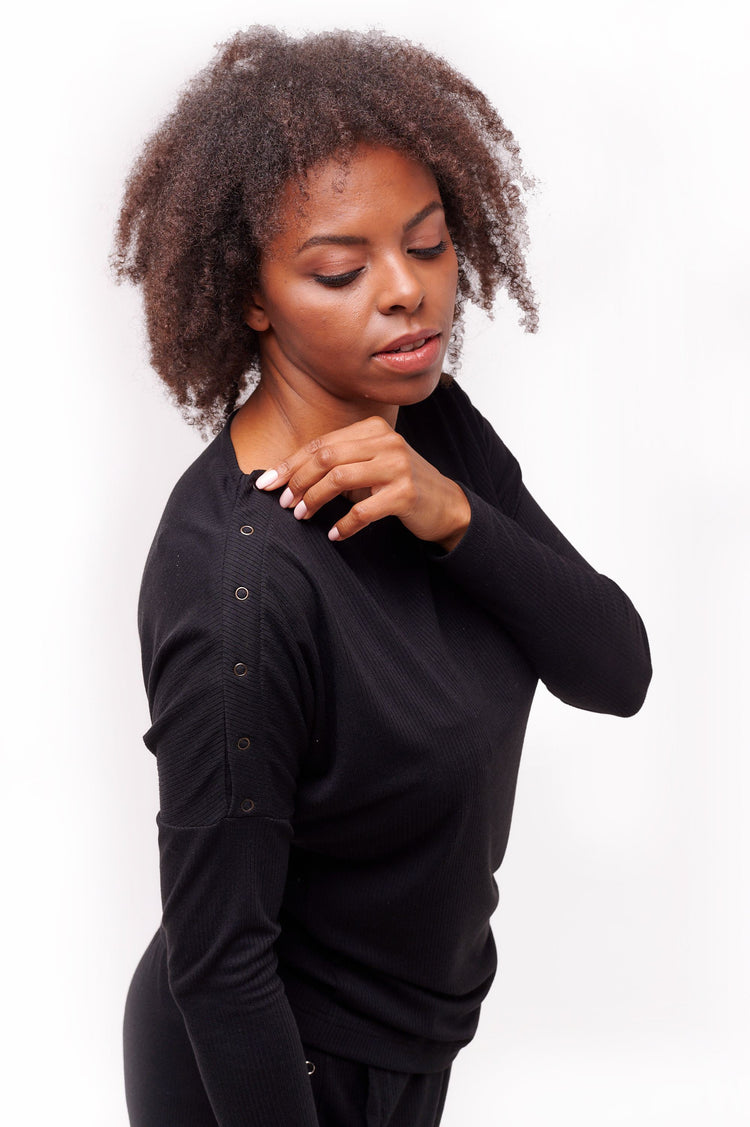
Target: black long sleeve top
(337,729)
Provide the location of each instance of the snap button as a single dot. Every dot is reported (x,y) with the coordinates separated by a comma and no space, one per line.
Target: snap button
(247,529)
(241,593)
(243,743)
(240,669)
(247,804)
(310,1067)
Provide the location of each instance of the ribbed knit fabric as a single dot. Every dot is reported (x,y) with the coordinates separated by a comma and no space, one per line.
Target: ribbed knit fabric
(337,729)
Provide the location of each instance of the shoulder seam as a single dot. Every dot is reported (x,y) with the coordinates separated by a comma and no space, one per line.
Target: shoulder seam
(218,821)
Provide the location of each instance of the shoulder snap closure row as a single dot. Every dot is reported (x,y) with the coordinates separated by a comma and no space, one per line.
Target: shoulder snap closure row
(239,740)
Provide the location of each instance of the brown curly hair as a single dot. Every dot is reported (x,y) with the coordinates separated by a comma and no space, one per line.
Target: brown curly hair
(199,203)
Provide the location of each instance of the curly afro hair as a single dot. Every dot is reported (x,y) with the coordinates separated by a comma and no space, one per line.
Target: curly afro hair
(200,200)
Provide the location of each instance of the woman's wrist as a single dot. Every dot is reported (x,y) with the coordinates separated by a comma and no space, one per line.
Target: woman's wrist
(459,520)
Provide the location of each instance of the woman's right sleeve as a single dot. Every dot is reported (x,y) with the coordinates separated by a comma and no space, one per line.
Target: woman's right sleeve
(231,706)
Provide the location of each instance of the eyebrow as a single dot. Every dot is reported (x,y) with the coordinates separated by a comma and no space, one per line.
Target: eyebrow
(358,240)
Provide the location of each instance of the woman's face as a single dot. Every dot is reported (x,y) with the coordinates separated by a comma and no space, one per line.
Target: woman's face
(358,278)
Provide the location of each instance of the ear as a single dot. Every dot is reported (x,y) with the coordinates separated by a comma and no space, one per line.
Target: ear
(255,315)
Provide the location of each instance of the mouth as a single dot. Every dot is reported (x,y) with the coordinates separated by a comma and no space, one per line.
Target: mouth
(411,343)
(411,354)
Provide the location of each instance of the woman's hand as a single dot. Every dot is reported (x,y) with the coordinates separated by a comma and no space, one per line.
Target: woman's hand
(372,465)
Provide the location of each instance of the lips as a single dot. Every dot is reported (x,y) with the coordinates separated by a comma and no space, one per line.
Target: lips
(412,355)
(409,343)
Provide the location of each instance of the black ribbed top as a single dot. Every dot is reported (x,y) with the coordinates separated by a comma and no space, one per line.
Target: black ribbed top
(337,729)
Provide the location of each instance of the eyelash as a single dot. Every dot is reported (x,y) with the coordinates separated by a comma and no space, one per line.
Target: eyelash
(336,280)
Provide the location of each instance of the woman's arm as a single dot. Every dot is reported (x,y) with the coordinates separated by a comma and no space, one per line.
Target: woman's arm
(221,889)
(231,708)
(578,629)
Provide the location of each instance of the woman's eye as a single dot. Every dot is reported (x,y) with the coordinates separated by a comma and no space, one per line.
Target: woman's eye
(337,279)
(429,252)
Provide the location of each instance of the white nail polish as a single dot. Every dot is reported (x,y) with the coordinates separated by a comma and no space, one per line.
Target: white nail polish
(266,478)
(300,511)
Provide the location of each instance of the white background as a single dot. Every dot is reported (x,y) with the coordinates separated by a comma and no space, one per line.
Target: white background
(622,994)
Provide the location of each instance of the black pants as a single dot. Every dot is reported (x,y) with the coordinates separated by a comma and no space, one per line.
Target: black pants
(350,1094)
(163,1087)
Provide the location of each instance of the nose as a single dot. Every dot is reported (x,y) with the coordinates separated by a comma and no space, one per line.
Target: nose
(399,286)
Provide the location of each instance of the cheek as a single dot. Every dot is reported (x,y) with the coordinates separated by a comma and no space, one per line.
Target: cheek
(331,316)
(294,310)
(310,327)
(316,322)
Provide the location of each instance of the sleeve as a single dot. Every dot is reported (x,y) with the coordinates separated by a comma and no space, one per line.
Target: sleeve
(231,709)
(577,628)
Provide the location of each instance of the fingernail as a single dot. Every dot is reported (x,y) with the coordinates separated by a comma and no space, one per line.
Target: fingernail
(334,533)
(300,511)
(266,478)
(285,499)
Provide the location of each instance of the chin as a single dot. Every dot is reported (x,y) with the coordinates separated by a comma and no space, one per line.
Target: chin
(416,387)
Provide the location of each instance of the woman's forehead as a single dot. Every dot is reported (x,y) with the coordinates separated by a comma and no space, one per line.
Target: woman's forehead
(358,187)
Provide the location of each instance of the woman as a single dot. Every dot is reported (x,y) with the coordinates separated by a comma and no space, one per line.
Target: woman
(351,595)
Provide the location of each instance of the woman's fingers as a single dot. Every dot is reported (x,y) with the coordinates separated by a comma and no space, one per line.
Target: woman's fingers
(373,508)
(360,478)
(323,464)
(358,442)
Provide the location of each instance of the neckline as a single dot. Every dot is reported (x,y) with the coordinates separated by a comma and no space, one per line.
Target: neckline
(232,453)
(255,474)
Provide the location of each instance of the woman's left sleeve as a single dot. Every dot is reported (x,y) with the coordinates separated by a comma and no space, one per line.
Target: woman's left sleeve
(578,629)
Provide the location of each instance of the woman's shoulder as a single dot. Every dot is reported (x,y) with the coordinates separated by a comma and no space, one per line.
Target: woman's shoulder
(206,501)
(219,535)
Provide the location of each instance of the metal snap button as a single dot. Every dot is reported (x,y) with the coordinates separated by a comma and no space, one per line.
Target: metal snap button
(240,669)
(310,1067)
(241,593)
(247,804)
(243,743)
(247,529)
